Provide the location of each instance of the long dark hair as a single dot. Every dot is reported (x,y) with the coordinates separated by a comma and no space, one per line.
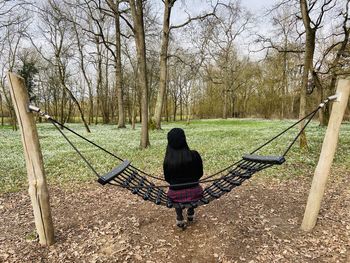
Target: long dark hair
(178,155)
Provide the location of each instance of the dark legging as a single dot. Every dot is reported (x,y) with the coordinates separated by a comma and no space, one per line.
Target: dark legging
(179,216)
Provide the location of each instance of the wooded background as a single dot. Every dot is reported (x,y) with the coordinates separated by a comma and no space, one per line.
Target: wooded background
(120,62)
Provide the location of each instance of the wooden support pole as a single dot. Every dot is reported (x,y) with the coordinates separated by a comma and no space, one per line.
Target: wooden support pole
(34,161)
(326,157)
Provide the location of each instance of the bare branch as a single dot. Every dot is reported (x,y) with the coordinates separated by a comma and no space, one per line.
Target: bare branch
(191,19)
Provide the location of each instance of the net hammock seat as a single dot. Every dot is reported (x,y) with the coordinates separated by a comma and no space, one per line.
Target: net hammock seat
(127,176)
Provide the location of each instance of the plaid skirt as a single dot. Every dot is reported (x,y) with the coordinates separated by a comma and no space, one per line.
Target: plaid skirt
(186,195)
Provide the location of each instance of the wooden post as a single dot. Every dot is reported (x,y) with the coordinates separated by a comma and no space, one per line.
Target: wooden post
(34,161)
(326,157)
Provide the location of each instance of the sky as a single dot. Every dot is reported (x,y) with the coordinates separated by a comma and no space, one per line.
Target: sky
(256,7)
(198,6)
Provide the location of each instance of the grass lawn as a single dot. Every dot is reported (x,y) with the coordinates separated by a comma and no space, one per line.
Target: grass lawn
(220,142)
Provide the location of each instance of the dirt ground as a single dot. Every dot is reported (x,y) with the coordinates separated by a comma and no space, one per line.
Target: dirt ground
(257,222)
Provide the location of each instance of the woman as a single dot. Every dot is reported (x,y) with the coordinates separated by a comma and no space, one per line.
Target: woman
(182,166)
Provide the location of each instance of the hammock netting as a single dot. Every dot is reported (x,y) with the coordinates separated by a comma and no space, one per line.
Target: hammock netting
(127,177)
(139,182)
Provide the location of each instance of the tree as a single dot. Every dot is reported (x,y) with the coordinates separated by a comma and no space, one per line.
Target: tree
(28,72)
(56,34)
(136,8)
(219,38)
(283,38)
(118,64)
(311,27)
(13,24)
(163,57)
(333,60)
(80,43)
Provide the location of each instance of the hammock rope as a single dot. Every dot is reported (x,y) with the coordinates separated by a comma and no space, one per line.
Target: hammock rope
(128,176)
(57,123)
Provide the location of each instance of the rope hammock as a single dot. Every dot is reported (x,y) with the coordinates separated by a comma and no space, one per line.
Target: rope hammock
(127,176)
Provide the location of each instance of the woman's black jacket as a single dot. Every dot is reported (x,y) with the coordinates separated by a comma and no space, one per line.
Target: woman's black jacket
(190,171)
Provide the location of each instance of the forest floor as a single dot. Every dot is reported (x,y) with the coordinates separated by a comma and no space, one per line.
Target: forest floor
(257,222)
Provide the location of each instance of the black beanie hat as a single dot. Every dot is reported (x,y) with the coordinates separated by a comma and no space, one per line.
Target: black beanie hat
(177,138)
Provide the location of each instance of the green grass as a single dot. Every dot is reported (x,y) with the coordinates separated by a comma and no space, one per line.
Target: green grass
(220,142)
(6,127)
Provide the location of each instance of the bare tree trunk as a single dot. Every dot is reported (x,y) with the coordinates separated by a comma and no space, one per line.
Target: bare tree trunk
(136,7)
(114,6)
(119,76)
(99,81)
(285,81)
(188,113)
(79,108)
(65,88)
(91,106)
(343,46)
(163,68)
(106,94)
(56,104)
(134,110)
(97,109)
(87,80)
(166,108)
(2,112)
(63,102)
(181,106)
(11,110)
(308,65)
(128,106)
(224,111)
(174,111)
(323,114)
(233,107)
(69,112)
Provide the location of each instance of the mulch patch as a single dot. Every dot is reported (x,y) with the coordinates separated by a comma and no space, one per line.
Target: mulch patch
(257,222)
